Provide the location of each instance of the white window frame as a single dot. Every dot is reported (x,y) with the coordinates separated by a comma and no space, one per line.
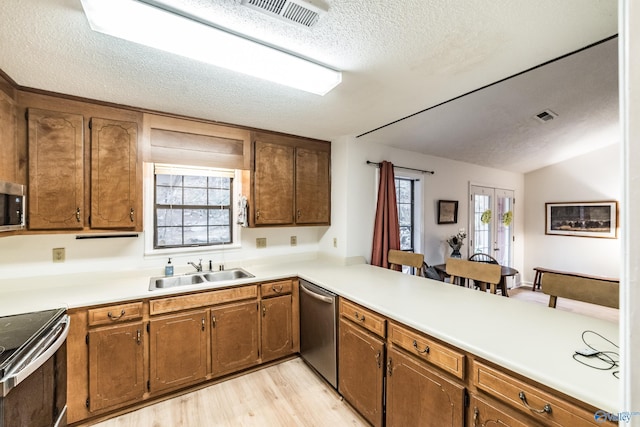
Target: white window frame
(149,227)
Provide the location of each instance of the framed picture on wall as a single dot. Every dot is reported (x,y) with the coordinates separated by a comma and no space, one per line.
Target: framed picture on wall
(583,219)
(447,211)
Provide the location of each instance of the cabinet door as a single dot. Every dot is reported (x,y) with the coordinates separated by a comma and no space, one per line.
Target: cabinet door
(8,141)
(114,184)
(482,413)
(313,194)
(56,181)
(418,396)
(361,371)
(178,354)
(234,337)
(277,338)
(273,186)
(116,365)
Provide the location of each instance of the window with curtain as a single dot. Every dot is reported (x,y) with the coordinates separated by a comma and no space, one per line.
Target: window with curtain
(192,206)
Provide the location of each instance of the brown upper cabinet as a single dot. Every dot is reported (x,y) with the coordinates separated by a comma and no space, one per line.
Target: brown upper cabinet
(9,163)
(56,174)
(114,184)
(56,188)
(291,181)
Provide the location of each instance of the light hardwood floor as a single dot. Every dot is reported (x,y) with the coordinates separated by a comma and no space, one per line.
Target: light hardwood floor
(287,394)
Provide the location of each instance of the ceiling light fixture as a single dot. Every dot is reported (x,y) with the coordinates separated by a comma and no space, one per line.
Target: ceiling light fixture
(155,27)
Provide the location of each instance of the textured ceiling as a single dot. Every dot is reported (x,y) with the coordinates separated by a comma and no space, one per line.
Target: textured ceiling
(397,57)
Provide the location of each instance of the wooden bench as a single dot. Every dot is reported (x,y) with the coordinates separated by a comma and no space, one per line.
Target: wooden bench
(581,287)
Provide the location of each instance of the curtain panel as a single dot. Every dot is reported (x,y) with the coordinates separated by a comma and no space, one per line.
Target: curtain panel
(386,231)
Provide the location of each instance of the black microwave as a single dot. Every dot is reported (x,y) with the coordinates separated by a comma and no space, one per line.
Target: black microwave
(12,205)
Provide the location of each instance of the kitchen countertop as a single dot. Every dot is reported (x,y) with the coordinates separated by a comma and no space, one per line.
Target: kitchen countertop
(530,339)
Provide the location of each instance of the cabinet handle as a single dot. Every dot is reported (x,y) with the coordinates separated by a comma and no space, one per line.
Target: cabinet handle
(131,215)
(545,409)
(299,213)
(264,311)
(476,415)
(415,346)
(389,368)
(138,337)
(112,317)
(213,320)
(203,324)
(276,290)
(358,317)
(378,354)
(78,214)
(258,214)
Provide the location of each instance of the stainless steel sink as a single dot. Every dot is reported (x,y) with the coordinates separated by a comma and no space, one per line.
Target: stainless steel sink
(198,278)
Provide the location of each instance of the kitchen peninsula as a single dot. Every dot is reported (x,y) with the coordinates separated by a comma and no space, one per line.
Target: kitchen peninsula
(469,321)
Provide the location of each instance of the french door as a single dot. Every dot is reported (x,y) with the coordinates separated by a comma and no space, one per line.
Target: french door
(491,223)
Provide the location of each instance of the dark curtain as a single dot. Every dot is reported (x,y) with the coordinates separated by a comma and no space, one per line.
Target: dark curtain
(386,231)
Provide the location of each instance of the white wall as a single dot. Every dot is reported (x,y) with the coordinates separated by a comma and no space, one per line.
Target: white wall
(450,182)
(595,176)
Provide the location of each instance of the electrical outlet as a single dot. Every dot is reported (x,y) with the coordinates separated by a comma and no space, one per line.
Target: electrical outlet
(294,240)
(58,254)
(261,242)
(335,242)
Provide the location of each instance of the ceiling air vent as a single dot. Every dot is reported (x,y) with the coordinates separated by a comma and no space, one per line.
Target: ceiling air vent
(300,12)
(545,116)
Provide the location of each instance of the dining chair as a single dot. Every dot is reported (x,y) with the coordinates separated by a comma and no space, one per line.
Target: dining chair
(480,272)
(400,258)
(480,257)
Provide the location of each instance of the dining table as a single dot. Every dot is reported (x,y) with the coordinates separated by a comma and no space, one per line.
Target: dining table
(505,272)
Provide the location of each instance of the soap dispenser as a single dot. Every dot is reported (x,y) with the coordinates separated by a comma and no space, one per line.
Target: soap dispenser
(168,269)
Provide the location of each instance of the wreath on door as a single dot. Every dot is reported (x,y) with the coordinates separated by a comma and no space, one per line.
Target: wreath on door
(486,217)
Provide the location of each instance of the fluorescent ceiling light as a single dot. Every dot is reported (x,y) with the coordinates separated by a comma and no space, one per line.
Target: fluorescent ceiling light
(158,28)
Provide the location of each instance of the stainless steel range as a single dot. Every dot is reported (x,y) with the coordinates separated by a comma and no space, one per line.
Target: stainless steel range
(33,369)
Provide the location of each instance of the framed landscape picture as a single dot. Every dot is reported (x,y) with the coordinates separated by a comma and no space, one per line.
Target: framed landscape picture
(583,219)
(447,211)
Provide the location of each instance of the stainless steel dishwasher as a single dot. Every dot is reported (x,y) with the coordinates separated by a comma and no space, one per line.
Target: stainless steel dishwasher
(318,333)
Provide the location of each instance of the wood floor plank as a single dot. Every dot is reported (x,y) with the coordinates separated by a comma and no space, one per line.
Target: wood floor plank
(287,394)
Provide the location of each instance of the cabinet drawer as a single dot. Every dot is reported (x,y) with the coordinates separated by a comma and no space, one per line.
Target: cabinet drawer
(527,398)
(483,413)
(428,350)
(184,302)
(273,289)
(115,313)
(363,317)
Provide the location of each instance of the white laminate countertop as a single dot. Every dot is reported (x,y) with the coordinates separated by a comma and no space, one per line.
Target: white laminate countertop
(530,339)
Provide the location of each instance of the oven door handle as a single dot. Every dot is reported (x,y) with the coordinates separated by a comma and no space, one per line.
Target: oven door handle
(16,378)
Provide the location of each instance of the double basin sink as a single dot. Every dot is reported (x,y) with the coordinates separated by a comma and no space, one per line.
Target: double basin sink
(198,278)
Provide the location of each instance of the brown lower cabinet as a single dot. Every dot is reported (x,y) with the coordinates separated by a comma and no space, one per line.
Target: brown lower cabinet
(277,332)
(116,365)
(484,413)
(361,371)
(234,337)
(418,396)
(178,350)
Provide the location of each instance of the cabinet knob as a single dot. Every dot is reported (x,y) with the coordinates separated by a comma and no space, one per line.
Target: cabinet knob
(299,213)
(213,320)
(138,337)
(131,215)
(258,214)
(264,311)
(78,214)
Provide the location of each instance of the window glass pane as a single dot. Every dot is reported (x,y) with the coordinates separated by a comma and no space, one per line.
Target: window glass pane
(219,217)
(168,195)
(195,235)
(404,192)
(219,182)
(405,238)
(167,217)
(195,196)
(169,236)
(195,217)
(169,180)
(195,181)
(219,234)
(404,215)
(219,197)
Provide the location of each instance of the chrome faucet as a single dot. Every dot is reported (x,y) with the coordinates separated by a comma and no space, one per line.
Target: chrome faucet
(198,266)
